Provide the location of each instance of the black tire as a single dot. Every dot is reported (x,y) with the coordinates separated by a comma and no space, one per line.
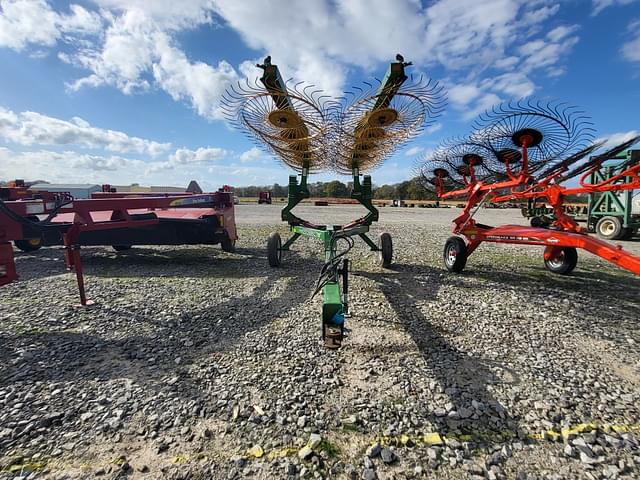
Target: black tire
(228,245)
(455,254)
(121,248)
(537,222)
(627,234)
(609,228)
(28,245)
(564,263)
(385,254)
(274,254)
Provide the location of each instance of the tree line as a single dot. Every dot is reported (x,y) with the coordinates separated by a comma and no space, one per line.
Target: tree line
(407,190)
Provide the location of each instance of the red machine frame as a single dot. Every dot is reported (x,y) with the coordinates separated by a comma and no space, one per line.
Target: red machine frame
(138,218)
(564,232)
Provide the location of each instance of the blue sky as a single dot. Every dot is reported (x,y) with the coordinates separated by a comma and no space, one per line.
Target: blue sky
(121,91)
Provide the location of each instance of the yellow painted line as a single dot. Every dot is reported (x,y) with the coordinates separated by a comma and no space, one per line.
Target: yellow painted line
(437,439)
(433,438)
(282,452)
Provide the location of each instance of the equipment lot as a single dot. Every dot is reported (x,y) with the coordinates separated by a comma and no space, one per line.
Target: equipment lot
(192,356)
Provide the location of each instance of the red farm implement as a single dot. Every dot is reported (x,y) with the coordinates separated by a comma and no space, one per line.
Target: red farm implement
(525,151)
(35,219)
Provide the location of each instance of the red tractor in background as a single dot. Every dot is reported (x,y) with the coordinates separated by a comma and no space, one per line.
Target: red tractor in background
(264,197)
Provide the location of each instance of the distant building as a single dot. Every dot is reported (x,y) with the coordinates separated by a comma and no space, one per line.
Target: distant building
(77,190)
(135,188)
(194,187)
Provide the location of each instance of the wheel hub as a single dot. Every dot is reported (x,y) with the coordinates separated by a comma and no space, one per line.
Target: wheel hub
(558,260)
(607,227)
(451,256)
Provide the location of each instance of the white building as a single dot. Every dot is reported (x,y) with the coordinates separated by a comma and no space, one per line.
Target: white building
(77,190)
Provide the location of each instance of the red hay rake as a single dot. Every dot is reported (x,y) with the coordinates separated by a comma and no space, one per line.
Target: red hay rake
(520,151)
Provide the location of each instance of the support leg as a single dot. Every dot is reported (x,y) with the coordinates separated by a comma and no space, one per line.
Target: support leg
(290,242)
(345,286)
(77,265)
(368,241)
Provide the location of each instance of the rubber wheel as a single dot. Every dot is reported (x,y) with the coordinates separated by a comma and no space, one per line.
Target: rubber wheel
(121,248)
(609,228)
(274,254)
(627,234)
(228,245)
(537,222)
(385,254)
(28,245)
(564,262)
(455,254)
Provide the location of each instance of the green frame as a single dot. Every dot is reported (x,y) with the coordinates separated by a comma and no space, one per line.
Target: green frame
(334,294)
(604,204)
(615,204)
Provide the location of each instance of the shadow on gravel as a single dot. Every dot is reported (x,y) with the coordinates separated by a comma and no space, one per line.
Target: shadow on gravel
(463,378)
(46,262)
(150,360)
(605,303)
(609,292)
(198,261)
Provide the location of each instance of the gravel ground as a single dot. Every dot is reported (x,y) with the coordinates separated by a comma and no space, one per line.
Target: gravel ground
(195,363)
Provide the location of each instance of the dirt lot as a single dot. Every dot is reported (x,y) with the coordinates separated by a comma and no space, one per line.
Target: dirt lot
(195,363)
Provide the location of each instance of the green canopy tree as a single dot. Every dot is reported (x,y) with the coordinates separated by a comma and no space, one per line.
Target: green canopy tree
(336,188)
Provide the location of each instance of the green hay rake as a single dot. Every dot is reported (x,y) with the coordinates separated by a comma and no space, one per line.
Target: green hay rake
(310,132)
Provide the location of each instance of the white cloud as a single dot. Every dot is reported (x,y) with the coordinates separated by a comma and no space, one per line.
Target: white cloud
(599,5)
(184,156)
(436,127)
(251,155)
(561,32)
(74,167)
(167,14)
(334,35)
(472,99)
(24,22)
(506,63)
(458,34)
(138,49)
(134,47)
(485,102)
(200,83)
(631,49)
(513,84)
(31,128)
(67,166)
(614,139)
(457,27)
(137,53)
(462,95)
(547,53)
(413,151)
